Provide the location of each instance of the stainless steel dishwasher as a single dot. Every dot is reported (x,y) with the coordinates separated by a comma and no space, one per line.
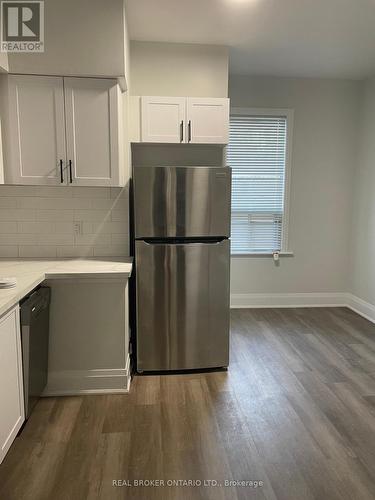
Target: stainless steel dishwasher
(34,337)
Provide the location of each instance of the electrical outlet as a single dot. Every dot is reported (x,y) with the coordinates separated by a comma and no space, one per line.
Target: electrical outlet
(78,228)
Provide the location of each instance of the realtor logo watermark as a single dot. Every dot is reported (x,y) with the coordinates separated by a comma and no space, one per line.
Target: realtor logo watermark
(22,26)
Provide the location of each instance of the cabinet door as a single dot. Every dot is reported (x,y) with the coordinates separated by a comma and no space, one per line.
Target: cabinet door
(36,131)
(92,131)
(208,120)
(12,414)
(163,119)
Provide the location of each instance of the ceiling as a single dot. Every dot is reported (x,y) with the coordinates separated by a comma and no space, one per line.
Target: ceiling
(299,38)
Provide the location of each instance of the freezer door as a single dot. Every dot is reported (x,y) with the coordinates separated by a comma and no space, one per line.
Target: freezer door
(182,305)
(181,201)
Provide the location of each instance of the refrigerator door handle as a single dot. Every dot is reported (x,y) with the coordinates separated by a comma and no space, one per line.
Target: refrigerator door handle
(179,241)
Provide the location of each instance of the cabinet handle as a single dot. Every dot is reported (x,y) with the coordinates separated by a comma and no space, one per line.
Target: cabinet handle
(70,172)
(182,131)
(61,172)
(189,127)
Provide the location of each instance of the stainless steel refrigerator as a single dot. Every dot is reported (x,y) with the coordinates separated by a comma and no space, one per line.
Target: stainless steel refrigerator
(182,256)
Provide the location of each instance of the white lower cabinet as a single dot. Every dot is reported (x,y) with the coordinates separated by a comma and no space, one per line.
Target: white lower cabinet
(89,347)
(12,412)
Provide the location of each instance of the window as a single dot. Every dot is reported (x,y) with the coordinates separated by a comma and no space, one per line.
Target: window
(258,154)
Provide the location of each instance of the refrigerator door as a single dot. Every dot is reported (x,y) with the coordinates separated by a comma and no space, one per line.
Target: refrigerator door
(181,201)
(182,305)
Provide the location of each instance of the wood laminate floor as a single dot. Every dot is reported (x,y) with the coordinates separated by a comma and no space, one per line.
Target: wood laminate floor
(296,410)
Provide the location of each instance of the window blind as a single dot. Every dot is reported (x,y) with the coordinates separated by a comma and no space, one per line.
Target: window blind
(257,155)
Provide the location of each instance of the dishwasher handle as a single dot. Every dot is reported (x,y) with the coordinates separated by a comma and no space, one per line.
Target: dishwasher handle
(34,304)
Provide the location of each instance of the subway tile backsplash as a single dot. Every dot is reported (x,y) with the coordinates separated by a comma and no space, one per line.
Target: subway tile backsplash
(40,221)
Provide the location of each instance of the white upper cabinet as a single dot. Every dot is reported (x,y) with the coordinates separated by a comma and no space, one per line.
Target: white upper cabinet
(63,131)
(12,414)
(92,133)
(36,130)
(202,120)
(163,119)
(207,120)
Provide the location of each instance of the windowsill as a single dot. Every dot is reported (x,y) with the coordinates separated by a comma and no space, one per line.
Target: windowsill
(262,254)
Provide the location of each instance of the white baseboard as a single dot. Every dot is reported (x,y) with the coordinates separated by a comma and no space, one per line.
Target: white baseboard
(340,299)
(263,300)
(361,307)
(77,382)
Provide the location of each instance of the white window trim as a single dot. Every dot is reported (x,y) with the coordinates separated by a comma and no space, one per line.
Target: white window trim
(289,113)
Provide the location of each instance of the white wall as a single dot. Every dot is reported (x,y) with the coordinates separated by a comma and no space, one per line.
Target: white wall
(126,47)
(363,234)
(4,66)
(81,38)
(39,221)
(176,69)
(323,160)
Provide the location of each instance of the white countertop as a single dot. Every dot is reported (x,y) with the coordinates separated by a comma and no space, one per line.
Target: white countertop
(31,272)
